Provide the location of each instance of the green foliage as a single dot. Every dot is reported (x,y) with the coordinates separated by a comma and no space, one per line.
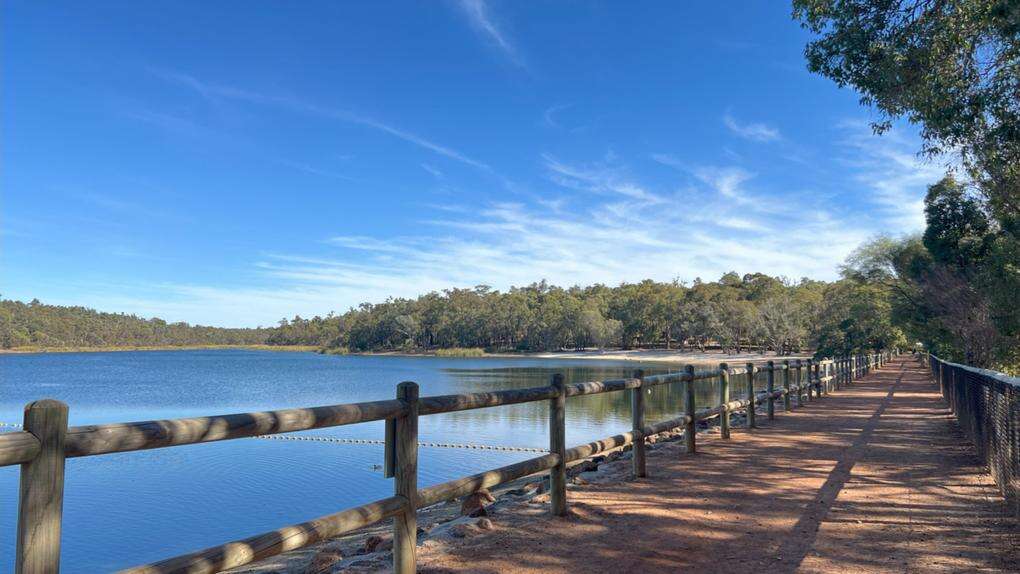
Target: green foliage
(735,313)
(857,317)
(952,66)
(38,325)
(955,288)
(958,231)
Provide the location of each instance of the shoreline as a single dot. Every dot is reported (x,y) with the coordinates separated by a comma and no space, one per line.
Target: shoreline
(674,356)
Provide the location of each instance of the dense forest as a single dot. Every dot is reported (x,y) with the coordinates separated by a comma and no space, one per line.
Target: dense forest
(735,312)
(39,325)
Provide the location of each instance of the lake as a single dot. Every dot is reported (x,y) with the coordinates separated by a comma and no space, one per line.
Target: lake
(130,508)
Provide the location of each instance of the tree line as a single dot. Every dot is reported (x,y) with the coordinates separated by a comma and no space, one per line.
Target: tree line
(35,324)
(736,313)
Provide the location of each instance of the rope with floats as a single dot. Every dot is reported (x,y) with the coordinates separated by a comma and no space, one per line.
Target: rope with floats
(342,440)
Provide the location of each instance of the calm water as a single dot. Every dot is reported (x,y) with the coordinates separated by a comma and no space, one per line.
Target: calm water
(130,508)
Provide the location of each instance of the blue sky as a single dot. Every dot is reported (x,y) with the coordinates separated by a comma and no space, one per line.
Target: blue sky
(231,163)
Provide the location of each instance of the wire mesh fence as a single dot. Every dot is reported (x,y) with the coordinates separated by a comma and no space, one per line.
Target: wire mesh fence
(987,405)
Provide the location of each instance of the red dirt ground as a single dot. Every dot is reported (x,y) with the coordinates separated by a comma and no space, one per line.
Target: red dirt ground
(876,477)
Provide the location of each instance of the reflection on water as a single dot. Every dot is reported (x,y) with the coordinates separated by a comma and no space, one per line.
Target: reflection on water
(589,417)
(211,493)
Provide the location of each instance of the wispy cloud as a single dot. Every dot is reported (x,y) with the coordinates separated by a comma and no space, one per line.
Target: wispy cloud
(890,169)
(478,14)
(728,181)
(312,170)
(435,172)
(620,231)
(758,132)
(601,177)
(220,92)
(549,115)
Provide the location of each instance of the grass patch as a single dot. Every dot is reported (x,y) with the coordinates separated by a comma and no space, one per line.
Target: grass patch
(461,352)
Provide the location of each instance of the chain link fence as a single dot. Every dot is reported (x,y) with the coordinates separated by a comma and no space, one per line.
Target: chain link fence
(987,405)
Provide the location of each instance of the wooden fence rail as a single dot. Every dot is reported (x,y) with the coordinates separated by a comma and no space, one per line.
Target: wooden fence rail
(46,442)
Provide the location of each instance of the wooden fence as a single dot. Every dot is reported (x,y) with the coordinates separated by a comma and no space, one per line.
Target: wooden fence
(46,442)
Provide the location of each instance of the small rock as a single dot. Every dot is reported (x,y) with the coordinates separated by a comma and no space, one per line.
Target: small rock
(460,530)
(376,543)
(323,562)
(580,480)
(476,501)
(485,524)
(537,487)
(584,466)
(540,499)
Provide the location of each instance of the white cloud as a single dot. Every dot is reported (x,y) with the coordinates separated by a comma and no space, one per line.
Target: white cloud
(477,12)
(752,131)
(614,234)
(728,181)
(217,92)
(601,177)
(896,178)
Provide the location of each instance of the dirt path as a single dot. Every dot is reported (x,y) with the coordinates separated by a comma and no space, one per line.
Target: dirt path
(873,478)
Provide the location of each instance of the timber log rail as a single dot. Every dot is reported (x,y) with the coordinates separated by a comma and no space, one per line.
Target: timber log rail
(987,405)
(46,441)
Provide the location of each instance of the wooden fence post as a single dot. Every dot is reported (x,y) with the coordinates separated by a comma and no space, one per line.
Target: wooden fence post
(690,408)
(637,414)
(786,385)
(808,383)
(558,446)
(819,385)
(800,383)
(41,499)
(751,421)
(724,397)
(405,481)
(770,387)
